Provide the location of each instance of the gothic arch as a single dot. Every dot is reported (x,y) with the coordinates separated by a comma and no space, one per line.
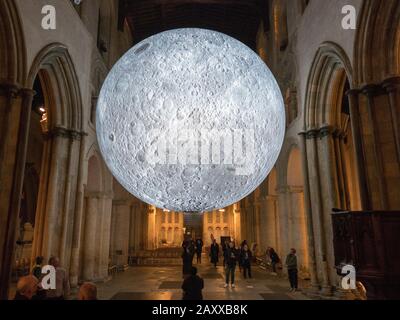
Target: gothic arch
(377,45)
(327,126)
(330,60)
(62,152)
(12,44)
(56,70)
(104,179)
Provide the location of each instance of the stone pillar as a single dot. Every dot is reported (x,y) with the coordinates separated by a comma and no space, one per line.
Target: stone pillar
(55,208)
(297,225)
(358,148)
(283,217)
(392,87)
(370,91)
(258,227)
(151,227)
(90,243)
(15,109)
(121,216)
(329,194)
(105,235)
(78,221)
(309,216)
(317,209)
(236,222)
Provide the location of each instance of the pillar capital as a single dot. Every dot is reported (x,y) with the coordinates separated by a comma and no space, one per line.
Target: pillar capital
(323,132)
(352,92)
(60,132)
(391,84)
(282,189)
(9,89)
(372,90)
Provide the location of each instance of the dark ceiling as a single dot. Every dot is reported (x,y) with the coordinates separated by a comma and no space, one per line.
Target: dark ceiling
(237,18)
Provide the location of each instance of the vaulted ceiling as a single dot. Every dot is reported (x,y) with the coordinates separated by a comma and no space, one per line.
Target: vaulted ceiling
(237,18)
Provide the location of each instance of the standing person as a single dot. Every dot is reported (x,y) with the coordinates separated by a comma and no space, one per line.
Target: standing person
(187,257)
(192,286)
(245,260)
(37,272)
(214,252)
(225,246)
(62,290)
(230,264)
(192,249)
(26,288)
(291,264)
(199,249)
(37,269)
(273,256)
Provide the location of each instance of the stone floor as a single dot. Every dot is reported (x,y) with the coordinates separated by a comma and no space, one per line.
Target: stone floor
(164,283)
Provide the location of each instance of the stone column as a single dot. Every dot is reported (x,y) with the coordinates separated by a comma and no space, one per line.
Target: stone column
(15,109)
(90,243)
(317,209)
(78,220)
(392,87)
(236,221)
(309,216)
(105,236)
(55,210)
(151,239)
(283,218)
(329,193)
(358,148)
(121,213)
(370,91)
(257,224)
(70,197)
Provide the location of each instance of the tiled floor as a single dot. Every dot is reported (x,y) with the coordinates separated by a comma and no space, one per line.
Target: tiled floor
(163,283)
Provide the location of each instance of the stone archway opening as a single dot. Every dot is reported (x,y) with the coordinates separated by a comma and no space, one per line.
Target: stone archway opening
(331,181)
(23,259)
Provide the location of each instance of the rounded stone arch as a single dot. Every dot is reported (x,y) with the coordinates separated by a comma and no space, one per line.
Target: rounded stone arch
(12,44)
(97,173)
(377,46)
(330,64)
(326,142)
(56,71)
(281,169)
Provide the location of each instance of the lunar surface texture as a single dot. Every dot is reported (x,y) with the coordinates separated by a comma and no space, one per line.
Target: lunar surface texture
(190,120)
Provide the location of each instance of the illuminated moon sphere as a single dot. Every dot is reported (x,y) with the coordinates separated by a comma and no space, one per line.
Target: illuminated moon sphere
(190,120)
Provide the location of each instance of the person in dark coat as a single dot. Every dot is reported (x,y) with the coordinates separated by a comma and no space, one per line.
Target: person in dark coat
(273,256)
(199,249)
(225,246)
(192,286)
(187,257)
(291,264)
(245,261)
(231,258)
(214,252)
(37,269)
